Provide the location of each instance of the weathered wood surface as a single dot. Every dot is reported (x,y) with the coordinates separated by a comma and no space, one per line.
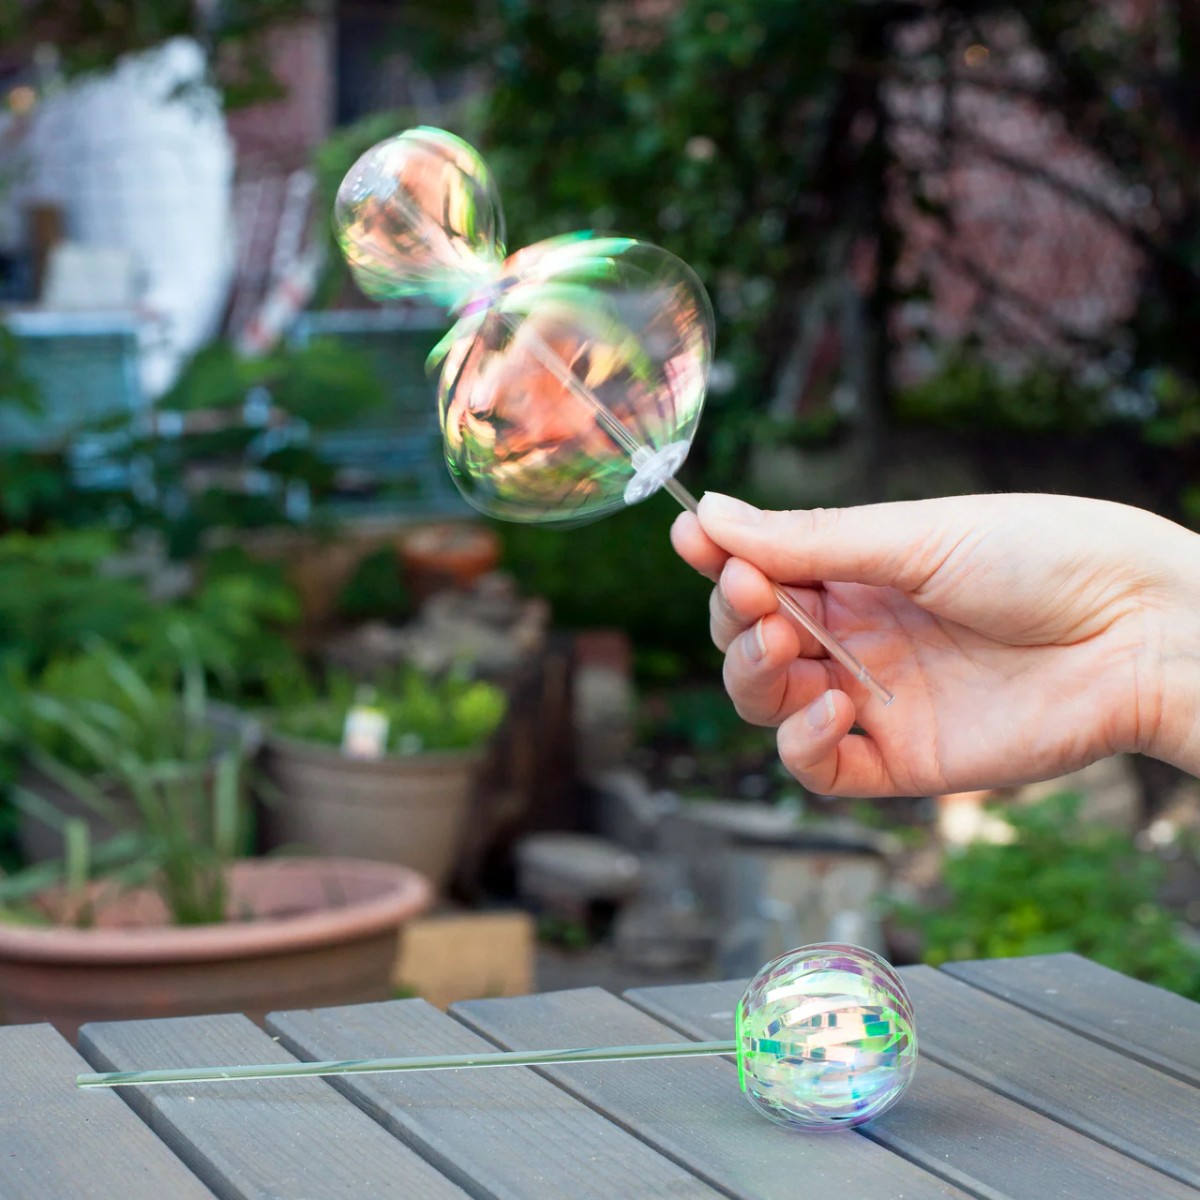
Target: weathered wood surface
(57,1142)
(988,1145)
(1028,1089)
(262,1139)
(1144,1113)
(498,1133)
(691,1109)
(1144,1022)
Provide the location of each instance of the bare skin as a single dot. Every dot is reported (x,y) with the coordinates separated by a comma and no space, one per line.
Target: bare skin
(1023,636)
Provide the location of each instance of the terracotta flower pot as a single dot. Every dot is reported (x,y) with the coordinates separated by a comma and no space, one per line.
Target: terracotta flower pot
(302,933)
(406,809)
(451,555)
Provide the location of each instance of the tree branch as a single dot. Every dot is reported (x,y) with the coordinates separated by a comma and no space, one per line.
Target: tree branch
(1020,165)
(1001,293)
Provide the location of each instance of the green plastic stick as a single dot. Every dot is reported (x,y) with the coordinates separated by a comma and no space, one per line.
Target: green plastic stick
(367,1066)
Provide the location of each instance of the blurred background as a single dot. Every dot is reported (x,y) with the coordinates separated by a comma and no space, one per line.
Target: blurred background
(953,246)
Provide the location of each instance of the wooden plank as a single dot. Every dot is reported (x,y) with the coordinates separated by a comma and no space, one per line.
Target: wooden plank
(283,1139)
(1157,1027)
(1137,1110)
(56,1141)
(996,1148)
(703,1011)
(691,1110)
(501,1133)
(990,1146)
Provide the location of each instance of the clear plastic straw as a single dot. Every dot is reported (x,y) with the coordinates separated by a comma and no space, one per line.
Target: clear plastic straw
(369,1066)
(787,604)
(623,438)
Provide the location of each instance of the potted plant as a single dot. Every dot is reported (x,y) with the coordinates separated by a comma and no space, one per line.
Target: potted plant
(386,769)
(448,555)
(161,914)
(97,739)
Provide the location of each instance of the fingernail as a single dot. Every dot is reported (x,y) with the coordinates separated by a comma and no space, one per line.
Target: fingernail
(756,646)
(726,508)
(819,715)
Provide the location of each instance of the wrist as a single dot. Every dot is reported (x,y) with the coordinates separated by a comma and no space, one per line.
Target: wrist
(1171,730)
(1175,738)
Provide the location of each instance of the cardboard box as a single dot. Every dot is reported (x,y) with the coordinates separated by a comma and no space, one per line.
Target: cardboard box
(466,956)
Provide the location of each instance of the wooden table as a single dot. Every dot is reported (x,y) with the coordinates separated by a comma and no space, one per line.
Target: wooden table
(1040,1077)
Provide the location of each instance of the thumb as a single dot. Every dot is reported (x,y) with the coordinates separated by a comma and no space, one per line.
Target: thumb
(896,545)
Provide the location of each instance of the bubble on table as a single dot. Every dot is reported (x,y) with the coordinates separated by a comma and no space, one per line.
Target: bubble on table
(826,1038)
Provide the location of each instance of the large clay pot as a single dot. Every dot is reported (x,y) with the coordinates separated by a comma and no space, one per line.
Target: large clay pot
(302,933)
(447,556)
(406,809)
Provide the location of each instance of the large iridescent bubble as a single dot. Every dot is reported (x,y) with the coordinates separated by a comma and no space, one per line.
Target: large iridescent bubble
(573,380)
(825,1037)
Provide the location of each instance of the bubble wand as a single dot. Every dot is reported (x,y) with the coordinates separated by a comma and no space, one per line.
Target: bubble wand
(824,1036)
(621,326)
(824,1039)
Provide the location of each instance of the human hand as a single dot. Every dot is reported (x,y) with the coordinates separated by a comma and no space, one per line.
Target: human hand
(1024,636)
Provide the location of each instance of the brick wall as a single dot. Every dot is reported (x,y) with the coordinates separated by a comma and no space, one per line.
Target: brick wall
(282,134)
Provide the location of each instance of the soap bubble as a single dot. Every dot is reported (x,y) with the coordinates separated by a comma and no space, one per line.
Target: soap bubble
(825,1037)
(572,381)
(584,362)
(419,215)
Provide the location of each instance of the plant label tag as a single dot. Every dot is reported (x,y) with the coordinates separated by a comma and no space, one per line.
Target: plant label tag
(365,733)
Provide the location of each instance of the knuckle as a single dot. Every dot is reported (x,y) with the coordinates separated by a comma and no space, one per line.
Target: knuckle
(724,624)
(795,762)
(815,522)
(805,764)
(718,628)
(752,713)
(746,701)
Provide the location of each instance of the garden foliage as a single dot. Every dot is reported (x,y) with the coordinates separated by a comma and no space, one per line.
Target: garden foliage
(1062,884)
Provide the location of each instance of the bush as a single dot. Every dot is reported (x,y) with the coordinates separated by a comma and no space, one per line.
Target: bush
(1061,885)
(969,393)
(618,573)
(60,592)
